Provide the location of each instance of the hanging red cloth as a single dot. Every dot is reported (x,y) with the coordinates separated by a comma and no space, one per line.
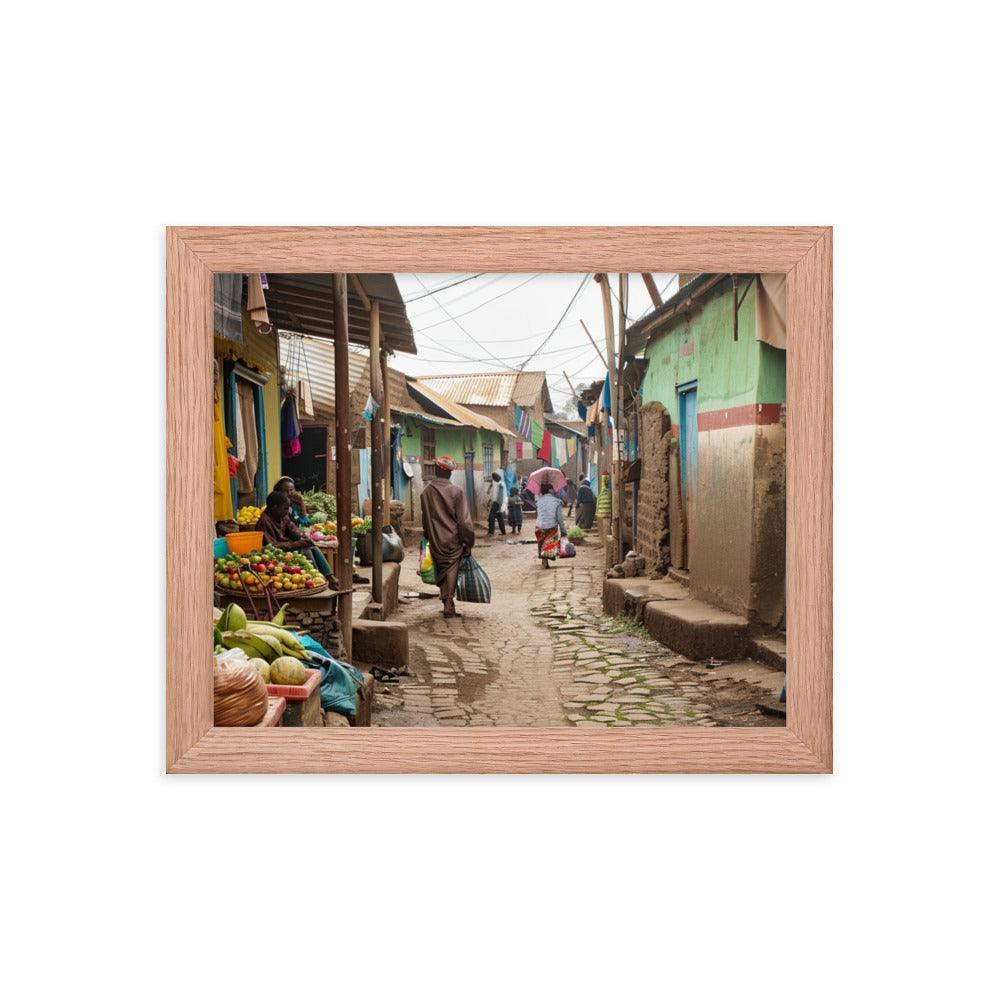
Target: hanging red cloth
(545,452)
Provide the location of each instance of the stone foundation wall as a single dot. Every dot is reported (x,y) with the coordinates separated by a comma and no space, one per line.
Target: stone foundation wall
(654,447)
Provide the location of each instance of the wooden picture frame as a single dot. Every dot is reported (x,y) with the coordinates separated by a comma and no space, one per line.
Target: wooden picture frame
(803,745)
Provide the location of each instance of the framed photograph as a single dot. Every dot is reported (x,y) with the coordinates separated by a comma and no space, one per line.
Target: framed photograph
(499,500)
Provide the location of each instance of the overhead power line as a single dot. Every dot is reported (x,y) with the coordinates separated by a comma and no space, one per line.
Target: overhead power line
(572,301)
(428,291)
(500,295)
(462,328)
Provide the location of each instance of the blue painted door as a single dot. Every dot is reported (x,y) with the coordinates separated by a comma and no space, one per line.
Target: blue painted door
(687,400)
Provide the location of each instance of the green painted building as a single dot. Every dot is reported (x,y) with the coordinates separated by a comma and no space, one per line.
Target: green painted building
(715,364)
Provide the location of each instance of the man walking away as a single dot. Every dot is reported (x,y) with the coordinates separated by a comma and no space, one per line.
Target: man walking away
(497,497)
(448,528)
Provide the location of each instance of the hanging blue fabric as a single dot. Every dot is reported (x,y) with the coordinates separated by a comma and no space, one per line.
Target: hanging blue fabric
(399,479)
(581,411)
(606,395)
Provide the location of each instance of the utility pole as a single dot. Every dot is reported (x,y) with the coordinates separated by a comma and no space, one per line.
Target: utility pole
(609,339)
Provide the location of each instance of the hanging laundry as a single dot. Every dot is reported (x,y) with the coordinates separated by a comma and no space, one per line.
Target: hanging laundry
(222,500)
(537,434)
(256,306)
(291,428)
(247,475)
(227,293)
(519,449)
(545,451)
(369,411)
(522,420)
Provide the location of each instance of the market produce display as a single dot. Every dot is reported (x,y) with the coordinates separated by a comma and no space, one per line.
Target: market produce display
(324,531)
(240,694)
(323,503)
(270,567)
(262,667)
(287,670)
(247,517)
(361,525)
(264,643)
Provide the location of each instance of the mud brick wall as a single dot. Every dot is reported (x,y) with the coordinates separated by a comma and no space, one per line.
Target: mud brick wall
(654,445)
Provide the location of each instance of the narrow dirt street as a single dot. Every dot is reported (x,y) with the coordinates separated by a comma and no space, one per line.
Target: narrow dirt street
(543,654)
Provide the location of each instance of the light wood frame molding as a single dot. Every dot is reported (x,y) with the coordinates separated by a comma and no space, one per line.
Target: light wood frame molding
(805,744)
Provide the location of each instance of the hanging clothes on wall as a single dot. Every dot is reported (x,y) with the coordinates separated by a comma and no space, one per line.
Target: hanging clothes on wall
(222,496)
(399,477)
(227,293)
(519,449)
(246,425)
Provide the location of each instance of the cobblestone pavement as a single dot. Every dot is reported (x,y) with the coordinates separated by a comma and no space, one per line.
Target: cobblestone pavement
(543,654)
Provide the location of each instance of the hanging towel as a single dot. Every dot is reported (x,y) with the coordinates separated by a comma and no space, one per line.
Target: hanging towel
(241,443)
(537,434)
(519,449)
(256,306)
(227,291)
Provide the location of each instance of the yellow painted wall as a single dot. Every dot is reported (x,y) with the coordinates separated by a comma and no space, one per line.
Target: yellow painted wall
(260,351)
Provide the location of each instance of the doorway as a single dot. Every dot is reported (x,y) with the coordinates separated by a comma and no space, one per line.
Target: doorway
(687,407)
(470,482)
(308,468)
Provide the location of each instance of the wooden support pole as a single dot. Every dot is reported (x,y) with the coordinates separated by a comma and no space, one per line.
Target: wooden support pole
(377,439)
(652,289)
(619,490)
(342,399)
(576,398)
(609,340)
(387,425)
(359,290)
(604,360)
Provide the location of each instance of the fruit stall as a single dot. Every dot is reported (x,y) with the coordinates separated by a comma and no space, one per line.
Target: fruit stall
(267,674)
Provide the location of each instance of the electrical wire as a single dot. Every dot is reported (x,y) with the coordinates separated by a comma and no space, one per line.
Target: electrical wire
(441,288)
(462,328)
(464,295)
(572,302)
(480,306)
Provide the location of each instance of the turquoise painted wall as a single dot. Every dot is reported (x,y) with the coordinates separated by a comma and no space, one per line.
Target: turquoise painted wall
(729,373)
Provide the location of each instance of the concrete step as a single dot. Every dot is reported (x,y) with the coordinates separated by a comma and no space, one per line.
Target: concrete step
(381,644)
(769,650)
(624,595)
(697,629)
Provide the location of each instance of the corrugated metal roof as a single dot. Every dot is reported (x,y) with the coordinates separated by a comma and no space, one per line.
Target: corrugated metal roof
(313,357)
(303,303)
(456,411)
(491,388)
(529,386)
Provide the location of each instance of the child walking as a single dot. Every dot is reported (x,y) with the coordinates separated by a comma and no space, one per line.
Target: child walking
(514,511)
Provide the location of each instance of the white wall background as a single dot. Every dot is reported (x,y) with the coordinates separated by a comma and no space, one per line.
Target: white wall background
(879,880)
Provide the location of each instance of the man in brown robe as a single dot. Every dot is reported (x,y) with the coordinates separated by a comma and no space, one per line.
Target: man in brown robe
(448,528)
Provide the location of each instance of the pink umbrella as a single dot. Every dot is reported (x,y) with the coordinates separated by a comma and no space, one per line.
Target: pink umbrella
(547,475)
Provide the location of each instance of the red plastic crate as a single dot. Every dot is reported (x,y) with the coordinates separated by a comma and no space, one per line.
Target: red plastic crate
(275,710)
(297,692)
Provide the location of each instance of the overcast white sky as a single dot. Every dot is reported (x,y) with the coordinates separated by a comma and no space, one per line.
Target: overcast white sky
(497,320)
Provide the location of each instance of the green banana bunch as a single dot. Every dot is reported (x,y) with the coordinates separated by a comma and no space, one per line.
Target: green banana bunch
(288,641)
(262,646)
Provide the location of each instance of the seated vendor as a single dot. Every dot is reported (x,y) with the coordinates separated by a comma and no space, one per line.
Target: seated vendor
(282,532)
(299,511)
